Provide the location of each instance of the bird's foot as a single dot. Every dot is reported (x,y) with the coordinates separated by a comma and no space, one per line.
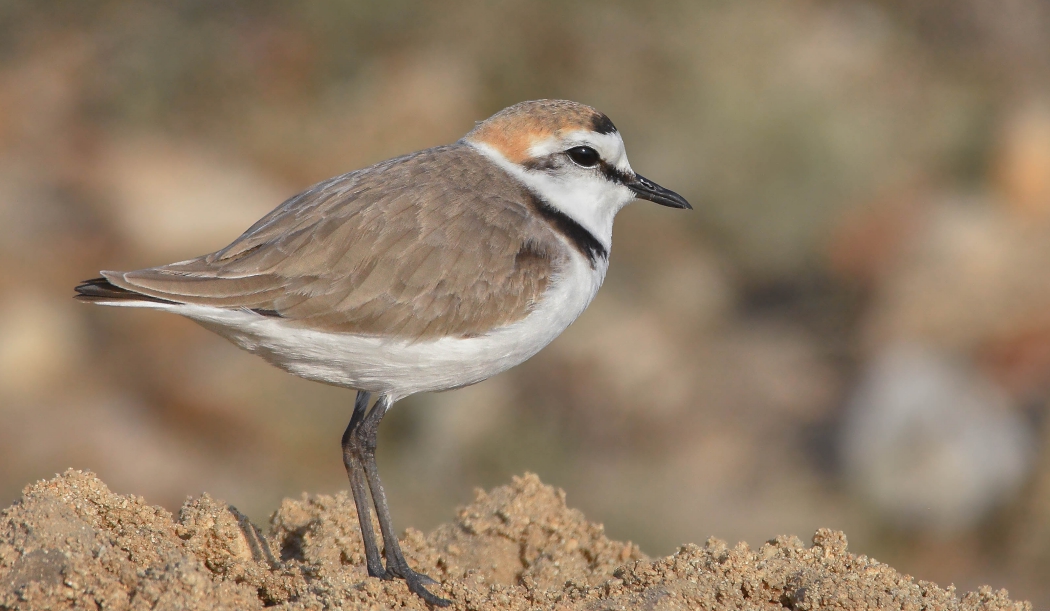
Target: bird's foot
(416,582)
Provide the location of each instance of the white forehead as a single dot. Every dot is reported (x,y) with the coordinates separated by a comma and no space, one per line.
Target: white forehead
(609,146)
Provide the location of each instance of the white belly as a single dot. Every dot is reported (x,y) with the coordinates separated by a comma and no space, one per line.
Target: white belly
(399,368)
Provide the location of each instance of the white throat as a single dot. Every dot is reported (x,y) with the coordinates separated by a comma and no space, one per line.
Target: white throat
(590,201)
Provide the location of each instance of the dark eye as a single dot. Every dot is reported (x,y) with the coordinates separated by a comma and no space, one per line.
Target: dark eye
(584,156)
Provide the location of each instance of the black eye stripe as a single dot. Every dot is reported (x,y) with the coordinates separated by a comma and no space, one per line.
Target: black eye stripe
(613,173)
(550,162)
(609,171)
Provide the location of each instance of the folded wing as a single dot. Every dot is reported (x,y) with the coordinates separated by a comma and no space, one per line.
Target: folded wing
(437,243)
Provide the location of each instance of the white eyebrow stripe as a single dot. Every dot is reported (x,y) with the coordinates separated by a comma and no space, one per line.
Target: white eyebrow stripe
(609,146)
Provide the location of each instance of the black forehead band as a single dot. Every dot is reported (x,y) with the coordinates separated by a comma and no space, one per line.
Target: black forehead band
(602,124)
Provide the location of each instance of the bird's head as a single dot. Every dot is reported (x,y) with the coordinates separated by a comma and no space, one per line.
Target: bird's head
(570,155)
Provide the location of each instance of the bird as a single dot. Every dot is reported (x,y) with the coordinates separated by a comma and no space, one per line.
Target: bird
(427,272)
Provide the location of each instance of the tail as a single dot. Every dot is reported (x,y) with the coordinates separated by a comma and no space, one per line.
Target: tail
(101,290)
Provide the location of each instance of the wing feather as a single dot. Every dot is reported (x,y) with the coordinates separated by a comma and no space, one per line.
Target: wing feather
(437,243)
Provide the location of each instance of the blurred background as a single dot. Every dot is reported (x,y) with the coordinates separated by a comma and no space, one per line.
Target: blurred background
(852,330)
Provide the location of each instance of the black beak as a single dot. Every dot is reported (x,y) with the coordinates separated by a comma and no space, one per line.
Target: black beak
(646,189)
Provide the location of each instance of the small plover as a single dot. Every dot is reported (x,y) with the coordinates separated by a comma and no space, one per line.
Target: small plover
(427,272)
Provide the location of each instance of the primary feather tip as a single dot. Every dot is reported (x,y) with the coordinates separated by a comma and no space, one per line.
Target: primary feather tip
(102,290)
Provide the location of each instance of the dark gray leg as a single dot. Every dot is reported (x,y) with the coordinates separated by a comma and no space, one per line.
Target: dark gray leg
(355,472)
(359,441)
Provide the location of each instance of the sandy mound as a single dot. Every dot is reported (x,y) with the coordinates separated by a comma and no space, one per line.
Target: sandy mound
(70,543)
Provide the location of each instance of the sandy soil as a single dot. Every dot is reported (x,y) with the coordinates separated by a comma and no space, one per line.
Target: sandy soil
(71,543)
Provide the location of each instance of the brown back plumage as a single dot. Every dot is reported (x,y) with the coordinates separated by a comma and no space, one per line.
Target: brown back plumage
(439,242)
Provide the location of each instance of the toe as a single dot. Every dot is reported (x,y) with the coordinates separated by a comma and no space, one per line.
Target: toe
(416,587)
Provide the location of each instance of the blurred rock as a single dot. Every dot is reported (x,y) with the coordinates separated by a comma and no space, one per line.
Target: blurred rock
(1029,547)
(40,343)
(174,200)
(631,360)
(454,424)
(971,270)
(1022,166)
(867,242)
(400,103)
(122,438)
(932,443)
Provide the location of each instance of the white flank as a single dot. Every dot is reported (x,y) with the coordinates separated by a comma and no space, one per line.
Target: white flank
(395,367)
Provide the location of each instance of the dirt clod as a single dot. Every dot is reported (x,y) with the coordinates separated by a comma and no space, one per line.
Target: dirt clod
(70,543)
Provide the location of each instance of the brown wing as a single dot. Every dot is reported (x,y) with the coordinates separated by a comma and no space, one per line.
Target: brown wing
(441,242)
